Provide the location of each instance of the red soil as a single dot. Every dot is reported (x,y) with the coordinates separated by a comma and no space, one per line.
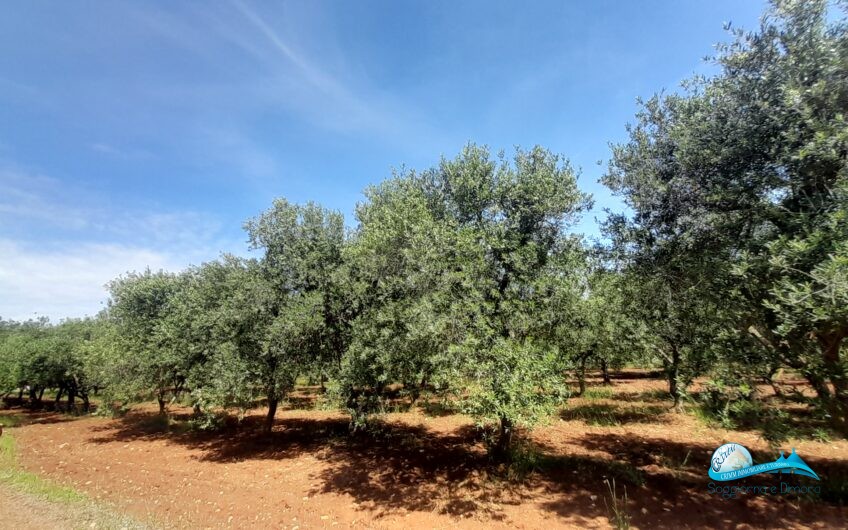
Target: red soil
(420,471)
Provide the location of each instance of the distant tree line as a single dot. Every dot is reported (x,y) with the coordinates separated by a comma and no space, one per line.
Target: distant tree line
(466,282)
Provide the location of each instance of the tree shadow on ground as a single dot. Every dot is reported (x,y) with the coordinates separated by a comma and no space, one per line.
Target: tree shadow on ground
(675,492)
(403,467)
(773,418)
(634,374)
(19,416)
(395,467)
(414,469)
(595,377)
(232,441)
(389,468)
(606,414)
(300,402)
(437,408)
(657,395)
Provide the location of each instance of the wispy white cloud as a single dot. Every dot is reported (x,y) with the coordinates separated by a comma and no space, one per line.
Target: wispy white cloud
(63,274)
(68,280)
(120,152)
(362,111)
(27,196)
(208,88)
(30,200)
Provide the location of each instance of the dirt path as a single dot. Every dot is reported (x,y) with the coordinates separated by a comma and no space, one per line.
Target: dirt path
(18,510)
(21,510)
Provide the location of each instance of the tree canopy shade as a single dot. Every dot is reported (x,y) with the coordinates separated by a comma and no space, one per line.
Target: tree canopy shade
(738,193)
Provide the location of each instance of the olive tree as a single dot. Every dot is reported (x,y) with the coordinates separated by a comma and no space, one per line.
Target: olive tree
(151,363)
(516,214)
(292,292)
(461,254)
(404,271)
(737,192)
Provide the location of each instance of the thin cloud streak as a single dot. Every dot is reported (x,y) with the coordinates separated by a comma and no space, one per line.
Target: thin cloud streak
(288,80)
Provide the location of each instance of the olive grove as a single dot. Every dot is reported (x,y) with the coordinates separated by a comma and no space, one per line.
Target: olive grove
(467,282)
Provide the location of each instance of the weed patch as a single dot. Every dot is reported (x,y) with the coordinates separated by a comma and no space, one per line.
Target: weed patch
(596,393)
(617,506)
(24,481)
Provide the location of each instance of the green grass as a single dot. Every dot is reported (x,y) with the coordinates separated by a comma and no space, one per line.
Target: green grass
(24,481)
(593,393)
(773,424)
(609,415)
(525,459)
(12,420)
(657,394)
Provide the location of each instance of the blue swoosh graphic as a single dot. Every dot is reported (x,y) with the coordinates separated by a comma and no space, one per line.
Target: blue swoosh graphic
(778,466)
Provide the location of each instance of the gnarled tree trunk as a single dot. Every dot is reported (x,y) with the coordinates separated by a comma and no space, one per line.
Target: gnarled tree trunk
(605,372)
(272,411)
(72,395)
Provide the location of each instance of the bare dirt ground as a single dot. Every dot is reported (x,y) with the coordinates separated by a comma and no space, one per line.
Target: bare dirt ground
(423,469)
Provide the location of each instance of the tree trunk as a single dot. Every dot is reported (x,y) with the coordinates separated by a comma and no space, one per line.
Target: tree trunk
(86,404)
(830,345)
(674,391)
(58,399)
(72,395)
(160,398)
(21,395)
(605,372)
(581,375)
(504,441)
(40,395)
(770,380)
(417,390)
(818,383)
(272,411)
(673,372)
(179,386)
(32,395)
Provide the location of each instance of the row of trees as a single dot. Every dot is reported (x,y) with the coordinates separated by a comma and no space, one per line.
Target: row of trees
(462,279)
(465,280)
(69,359)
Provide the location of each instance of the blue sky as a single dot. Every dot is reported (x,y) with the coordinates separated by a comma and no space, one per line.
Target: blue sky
(136,134)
